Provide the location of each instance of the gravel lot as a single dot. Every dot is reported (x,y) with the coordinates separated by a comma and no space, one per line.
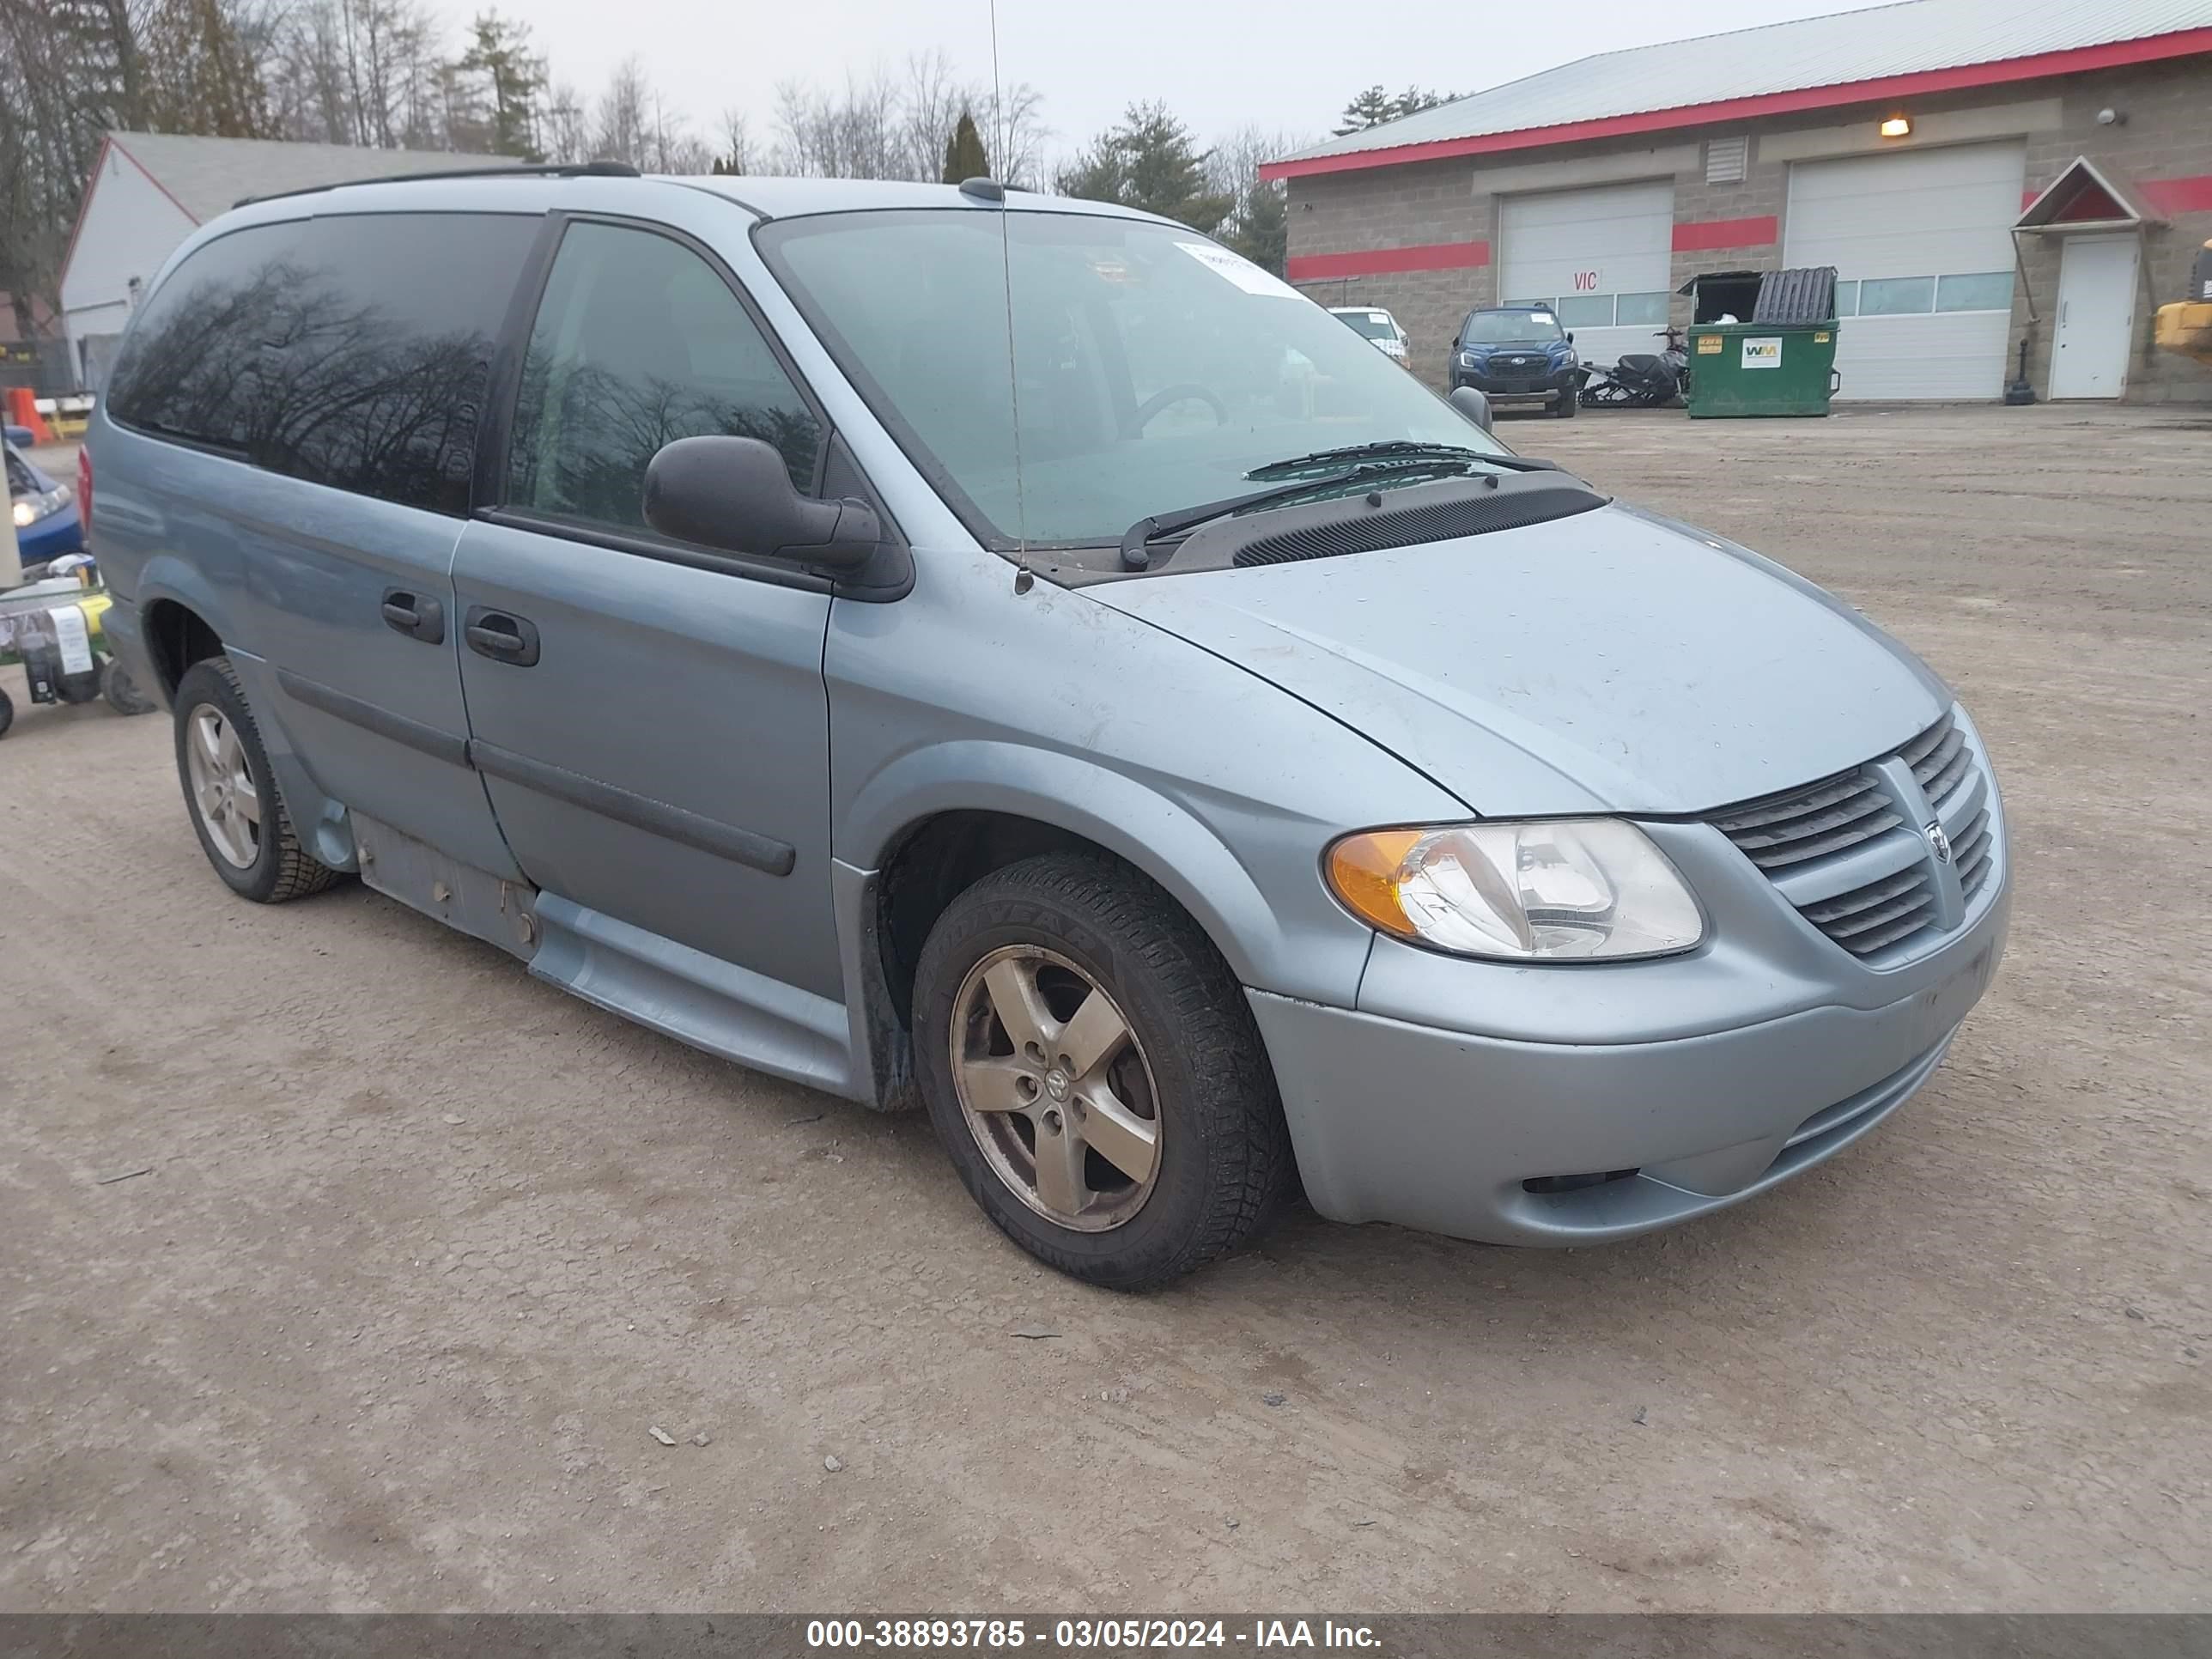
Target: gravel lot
(426,1249)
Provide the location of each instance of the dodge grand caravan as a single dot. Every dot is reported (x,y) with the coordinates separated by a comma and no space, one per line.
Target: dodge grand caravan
(1009,655)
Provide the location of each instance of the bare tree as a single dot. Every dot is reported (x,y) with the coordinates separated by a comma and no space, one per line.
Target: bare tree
(568,135)
(931,102)
(621,128)
(854,136)
(1015,134)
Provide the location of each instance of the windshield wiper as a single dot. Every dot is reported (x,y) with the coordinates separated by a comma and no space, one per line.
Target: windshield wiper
(1138,540)
(1392,447)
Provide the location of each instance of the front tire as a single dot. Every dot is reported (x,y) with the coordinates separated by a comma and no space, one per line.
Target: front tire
(1568,402)
(230,793)
(1094,1073)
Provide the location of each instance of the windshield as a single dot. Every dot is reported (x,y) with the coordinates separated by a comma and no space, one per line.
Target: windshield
(1370,324)
(1156,370)
(1512,328)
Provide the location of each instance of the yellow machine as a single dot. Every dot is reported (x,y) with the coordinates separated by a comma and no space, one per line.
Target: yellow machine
(2186,325)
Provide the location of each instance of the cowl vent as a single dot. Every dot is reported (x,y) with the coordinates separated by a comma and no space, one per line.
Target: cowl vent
(1511,504)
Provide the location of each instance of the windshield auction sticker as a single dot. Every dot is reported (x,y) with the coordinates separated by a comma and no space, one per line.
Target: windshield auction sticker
(1243,272)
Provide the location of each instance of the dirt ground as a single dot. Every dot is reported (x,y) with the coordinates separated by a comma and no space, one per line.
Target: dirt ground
(425,1248)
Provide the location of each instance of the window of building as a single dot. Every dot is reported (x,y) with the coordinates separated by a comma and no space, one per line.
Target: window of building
(639,342)
(1988,290)
(1585,310)
(1641,309)
(353,351)
(1896,296)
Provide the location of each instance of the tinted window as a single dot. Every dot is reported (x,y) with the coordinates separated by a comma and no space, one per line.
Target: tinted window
(640,342)
(352,351)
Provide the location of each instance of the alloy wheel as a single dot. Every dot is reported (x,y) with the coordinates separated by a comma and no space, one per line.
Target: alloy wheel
(223,791)
(1056,1088)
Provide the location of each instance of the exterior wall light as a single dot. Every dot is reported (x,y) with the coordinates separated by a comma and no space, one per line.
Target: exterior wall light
(1898,126)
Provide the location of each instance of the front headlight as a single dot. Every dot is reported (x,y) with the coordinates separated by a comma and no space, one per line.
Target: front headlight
(1554,890)
(1468,360)
(32,508)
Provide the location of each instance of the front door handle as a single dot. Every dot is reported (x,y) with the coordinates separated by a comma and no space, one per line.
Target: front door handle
(414,615)
(501,635)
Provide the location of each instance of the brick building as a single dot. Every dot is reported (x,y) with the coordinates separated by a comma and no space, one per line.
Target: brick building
(1979,176)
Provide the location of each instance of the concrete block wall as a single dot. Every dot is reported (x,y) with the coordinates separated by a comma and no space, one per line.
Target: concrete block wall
(2166,136)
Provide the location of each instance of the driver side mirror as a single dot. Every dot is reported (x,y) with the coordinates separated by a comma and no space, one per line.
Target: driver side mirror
(1470,403)
(736,495)
(1570,336)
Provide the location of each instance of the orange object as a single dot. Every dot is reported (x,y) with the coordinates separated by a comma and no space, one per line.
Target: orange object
(24,410)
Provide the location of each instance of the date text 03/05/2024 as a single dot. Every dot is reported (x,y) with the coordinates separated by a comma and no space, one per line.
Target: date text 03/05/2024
(1078,1635)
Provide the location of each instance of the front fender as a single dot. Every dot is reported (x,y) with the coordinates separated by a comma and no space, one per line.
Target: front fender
(1138,823)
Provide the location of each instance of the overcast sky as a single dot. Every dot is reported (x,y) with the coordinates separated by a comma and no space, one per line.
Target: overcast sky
(1219,63)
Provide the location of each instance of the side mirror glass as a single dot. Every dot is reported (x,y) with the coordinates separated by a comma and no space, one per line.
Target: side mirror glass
(735,493)
(1570,336)
(1470,403)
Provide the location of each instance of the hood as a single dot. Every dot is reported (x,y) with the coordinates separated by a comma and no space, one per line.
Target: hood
(1612,661)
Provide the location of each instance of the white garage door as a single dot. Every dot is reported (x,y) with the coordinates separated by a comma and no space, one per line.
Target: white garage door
(1921,246)
(1598,256)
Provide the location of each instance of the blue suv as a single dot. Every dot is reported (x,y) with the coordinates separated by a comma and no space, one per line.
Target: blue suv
(1516,355)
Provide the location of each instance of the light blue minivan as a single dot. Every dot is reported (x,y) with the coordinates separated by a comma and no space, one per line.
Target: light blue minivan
(962,648)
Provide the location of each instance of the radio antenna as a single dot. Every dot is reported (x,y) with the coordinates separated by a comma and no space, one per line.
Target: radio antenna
(1023,577)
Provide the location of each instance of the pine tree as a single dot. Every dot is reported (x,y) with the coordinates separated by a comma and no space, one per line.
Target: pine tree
(1149,162)
(1372,108)
(499,50)
(1263,226)
(964,153)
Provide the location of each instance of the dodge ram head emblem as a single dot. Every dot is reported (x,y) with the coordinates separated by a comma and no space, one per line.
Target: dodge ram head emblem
(1938,842)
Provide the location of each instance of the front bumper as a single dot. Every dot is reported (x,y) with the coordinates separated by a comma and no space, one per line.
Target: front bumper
(1515,389)
(1712,1076)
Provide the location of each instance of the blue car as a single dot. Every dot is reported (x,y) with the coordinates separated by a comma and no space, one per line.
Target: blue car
(1516,355)
(44,511)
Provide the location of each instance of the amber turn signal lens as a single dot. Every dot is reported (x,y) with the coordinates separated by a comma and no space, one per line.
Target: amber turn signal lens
(1363,872)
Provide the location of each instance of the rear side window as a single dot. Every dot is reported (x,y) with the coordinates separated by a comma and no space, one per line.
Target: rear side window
(640,342)
(352,351)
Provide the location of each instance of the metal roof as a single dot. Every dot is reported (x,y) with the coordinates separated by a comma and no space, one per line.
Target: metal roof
(1878,44)
(206,176)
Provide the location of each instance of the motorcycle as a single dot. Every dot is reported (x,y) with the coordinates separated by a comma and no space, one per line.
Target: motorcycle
(1640,379)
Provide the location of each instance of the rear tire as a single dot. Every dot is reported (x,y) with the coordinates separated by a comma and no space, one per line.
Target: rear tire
(1099,947)
(121,691)
(231,795)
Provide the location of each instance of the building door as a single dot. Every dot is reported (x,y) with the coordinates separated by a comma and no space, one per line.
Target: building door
(1922,244)
(2096,317)
(1598,257)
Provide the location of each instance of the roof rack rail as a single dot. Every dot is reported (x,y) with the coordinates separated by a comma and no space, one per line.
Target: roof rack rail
(519,170)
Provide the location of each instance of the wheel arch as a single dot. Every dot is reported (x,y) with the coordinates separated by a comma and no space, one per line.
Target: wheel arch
(939,820)
(181,621)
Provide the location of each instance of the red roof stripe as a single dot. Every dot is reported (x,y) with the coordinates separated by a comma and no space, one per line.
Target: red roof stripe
(1697,238)
(2183,43)
(1376,262)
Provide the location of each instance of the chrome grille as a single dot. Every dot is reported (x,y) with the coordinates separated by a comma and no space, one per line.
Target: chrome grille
(1810,824)
(1843,853)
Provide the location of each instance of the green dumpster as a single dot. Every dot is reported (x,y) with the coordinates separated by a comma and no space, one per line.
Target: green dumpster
(1782,361)
(1761,369)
